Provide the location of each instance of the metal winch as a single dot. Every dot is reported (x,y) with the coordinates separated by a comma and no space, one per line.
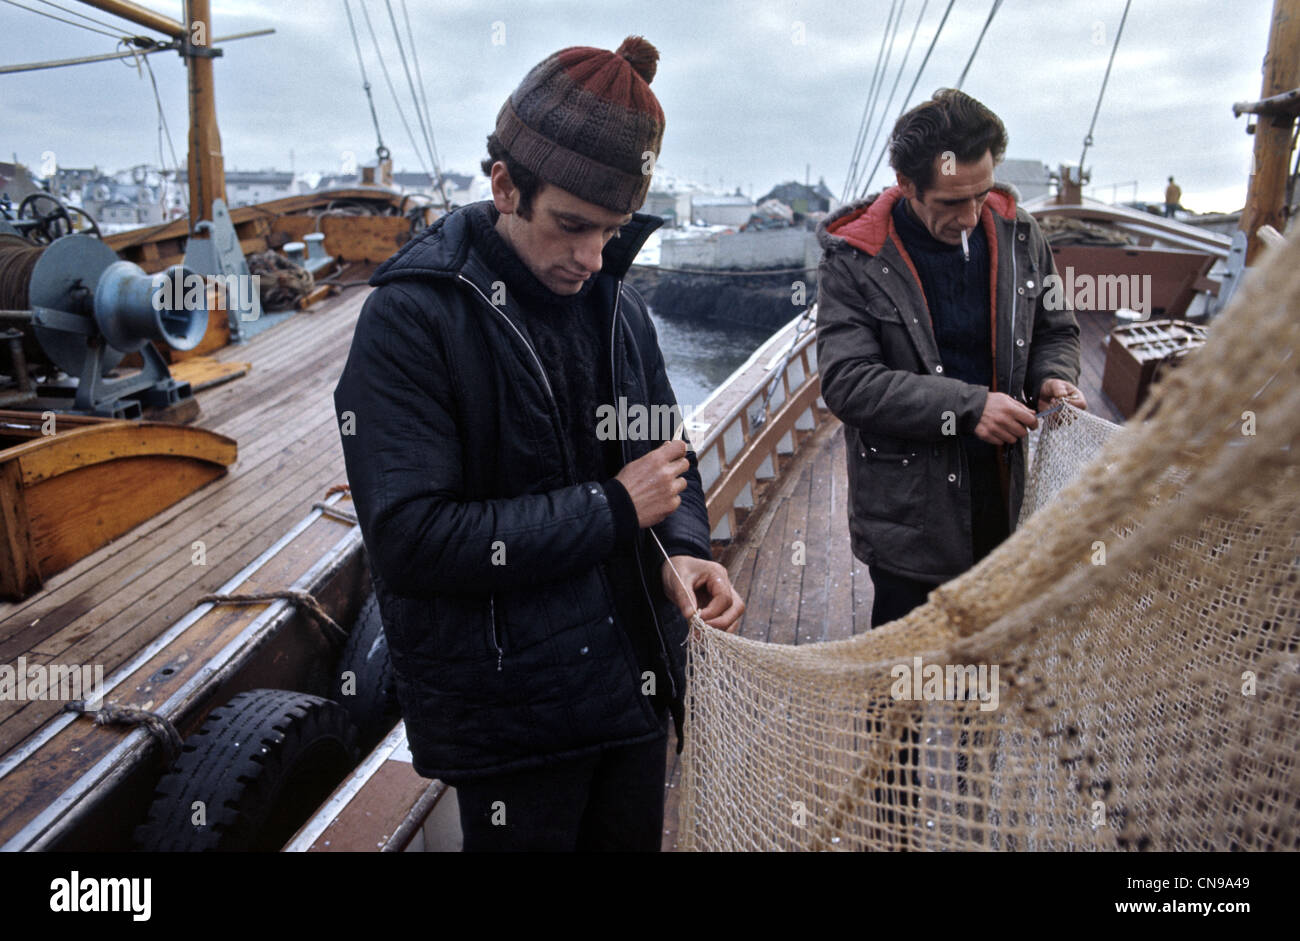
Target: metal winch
(89,309)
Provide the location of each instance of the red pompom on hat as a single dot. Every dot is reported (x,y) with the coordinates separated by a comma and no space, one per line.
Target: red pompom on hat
(585,120)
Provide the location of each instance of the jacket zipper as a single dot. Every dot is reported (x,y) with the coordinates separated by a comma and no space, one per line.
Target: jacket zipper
(546,383)
(495,638)
(540,371)
(636,546)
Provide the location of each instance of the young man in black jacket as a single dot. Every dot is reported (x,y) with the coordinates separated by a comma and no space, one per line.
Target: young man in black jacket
(535,624)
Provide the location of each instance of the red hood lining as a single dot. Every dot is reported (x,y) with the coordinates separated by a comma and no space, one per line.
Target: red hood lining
(868,226)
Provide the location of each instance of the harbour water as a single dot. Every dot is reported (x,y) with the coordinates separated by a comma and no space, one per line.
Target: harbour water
(699,356)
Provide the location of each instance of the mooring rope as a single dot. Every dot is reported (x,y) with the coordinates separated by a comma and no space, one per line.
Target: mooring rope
(159,727)
(305,603)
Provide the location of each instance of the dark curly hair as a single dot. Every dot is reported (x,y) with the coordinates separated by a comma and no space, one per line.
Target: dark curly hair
(527,182)
(950,121)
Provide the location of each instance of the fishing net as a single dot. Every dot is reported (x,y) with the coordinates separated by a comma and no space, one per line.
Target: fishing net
(1137,637)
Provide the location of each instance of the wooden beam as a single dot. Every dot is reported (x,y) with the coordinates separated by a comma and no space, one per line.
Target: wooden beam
(207,173)
(1273,132)
(140,16)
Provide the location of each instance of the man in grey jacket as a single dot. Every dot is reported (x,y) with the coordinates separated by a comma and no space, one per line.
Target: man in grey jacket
(934,341)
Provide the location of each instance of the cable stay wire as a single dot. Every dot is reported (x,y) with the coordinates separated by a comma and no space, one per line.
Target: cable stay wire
(84,16)
(1087,140)
(380,151)
(153,48)
(868,110)
(877,119)
(908,97)
(992,13)
(122,34)
(383,65)
(163,128)
(424,100)
(897,77)
(415,98)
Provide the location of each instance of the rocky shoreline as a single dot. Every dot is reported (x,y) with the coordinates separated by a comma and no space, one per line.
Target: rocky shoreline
(756,299)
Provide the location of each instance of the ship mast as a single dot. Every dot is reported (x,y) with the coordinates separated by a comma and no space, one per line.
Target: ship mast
(207,175)
(1277,110)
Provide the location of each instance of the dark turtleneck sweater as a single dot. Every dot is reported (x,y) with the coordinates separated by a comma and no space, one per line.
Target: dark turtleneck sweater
(957,293)
(568,334)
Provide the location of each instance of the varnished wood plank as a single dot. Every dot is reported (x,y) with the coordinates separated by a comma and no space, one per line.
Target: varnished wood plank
(51,769)
(214,505)
(784,622)
(75,513)
(374,812)
(263,425)
(762,589)
(20,570)
(163,558)
(228,542)
(840,610)
(51,456)
(814,600)
(203,372)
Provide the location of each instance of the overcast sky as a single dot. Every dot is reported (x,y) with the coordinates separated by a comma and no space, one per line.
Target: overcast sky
(747,103)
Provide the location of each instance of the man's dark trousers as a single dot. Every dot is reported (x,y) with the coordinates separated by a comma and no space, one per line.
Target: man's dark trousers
(896,595)
(610,801)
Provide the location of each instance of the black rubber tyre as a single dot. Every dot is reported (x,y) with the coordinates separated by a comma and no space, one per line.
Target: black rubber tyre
(260,764)
(372,698)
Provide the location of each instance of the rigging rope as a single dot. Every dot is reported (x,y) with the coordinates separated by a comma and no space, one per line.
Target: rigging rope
(163,127)
(415,98)
(424,99)
(903,65)
(908,97)
(868,112)
(383,65)
(380,151)
(1087,140)
(14,3)
(78,13)
(884,68)
(992,12)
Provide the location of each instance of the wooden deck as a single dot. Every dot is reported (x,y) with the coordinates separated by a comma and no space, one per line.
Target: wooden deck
(829,597)
(106,607)
(112,603)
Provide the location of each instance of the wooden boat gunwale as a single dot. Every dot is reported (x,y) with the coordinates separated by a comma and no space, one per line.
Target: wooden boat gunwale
(187,703)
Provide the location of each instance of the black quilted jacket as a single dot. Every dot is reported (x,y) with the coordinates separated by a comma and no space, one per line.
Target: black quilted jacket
(453,447)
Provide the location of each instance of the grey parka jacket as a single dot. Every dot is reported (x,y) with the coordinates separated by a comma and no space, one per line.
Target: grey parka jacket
(909,510)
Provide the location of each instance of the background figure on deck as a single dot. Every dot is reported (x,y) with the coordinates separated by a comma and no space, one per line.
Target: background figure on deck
(535,627)
(933,353)
(1173,196)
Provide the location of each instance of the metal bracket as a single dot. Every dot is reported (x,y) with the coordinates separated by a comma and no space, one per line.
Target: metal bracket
(219,253)
(187,48)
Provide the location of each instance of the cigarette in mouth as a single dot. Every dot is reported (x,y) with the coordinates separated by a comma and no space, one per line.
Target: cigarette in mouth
(965,246)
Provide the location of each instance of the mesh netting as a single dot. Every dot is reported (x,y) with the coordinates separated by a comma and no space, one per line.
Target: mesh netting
(1137,636)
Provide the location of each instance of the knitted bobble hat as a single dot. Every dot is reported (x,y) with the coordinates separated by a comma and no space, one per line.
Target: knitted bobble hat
(585,120)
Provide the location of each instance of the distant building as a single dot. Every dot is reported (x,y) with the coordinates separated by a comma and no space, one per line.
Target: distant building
(1031,177)
(334,180)
(802,198)
(721,210)
(246,187)
(462,188)
(674,208)
(16,182)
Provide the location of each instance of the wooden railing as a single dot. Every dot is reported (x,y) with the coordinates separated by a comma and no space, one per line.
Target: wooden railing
(754,421)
